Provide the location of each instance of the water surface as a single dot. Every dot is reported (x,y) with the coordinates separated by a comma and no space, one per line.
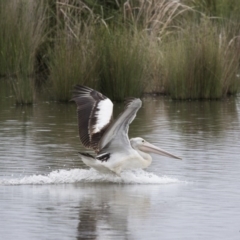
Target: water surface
(46,192)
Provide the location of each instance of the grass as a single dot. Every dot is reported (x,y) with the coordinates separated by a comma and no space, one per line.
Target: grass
(108,59)
(200,64)
(216,8)
(231,68)
(73,58)
(113,63)
(22,32)
(157,18)
(121,64)
(122,48)
(71,62)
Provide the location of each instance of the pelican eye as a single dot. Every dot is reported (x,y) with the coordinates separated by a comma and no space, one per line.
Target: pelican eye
(143,141)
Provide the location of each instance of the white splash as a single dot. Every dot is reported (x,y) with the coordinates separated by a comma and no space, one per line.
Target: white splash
(90,175)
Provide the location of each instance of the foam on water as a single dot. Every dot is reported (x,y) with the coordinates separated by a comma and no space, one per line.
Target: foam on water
(90,175)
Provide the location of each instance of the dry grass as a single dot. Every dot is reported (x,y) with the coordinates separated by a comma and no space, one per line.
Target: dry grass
(154,16)
(73,59)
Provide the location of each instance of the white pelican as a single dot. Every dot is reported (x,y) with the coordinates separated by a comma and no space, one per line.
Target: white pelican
(108,137)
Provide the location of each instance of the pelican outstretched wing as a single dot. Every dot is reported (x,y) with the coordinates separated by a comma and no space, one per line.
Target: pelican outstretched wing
(94,112)
(116,135)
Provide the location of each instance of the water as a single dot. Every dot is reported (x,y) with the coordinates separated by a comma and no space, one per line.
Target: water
(47,193)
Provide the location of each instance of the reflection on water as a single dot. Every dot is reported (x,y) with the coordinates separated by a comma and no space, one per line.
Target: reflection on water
(108,214)
(88,210)
(208,118)
(39,139)
(47,193)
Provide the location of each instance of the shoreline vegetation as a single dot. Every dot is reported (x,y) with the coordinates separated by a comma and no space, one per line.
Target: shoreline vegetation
(187,49)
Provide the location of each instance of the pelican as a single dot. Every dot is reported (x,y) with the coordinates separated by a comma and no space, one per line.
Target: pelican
(109,139)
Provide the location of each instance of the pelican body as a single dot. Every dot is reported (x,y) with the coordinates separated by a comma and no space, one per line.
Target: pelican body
(109,139)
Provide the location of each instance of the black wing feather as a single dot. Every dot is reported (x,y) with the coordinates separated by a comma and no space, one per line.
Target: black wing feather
(87,101)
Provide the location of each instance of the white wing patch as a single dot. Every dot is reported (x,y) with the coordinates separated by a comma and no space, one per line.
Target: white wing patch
(103,115)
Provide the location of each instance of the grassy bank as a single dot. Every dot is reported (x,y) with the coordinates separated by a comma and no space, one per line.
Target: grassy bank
(188,49)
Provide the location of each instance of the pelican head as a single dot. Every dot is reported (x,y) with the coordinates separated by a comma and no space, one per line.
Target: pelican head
(144,146)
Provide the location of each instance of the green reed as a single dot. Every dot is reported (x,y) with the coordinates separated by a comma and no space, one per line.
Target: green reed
(198,64)
(121,64)
(71,62)
(22,25)
(216,8)
(122,49)
(72,58)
